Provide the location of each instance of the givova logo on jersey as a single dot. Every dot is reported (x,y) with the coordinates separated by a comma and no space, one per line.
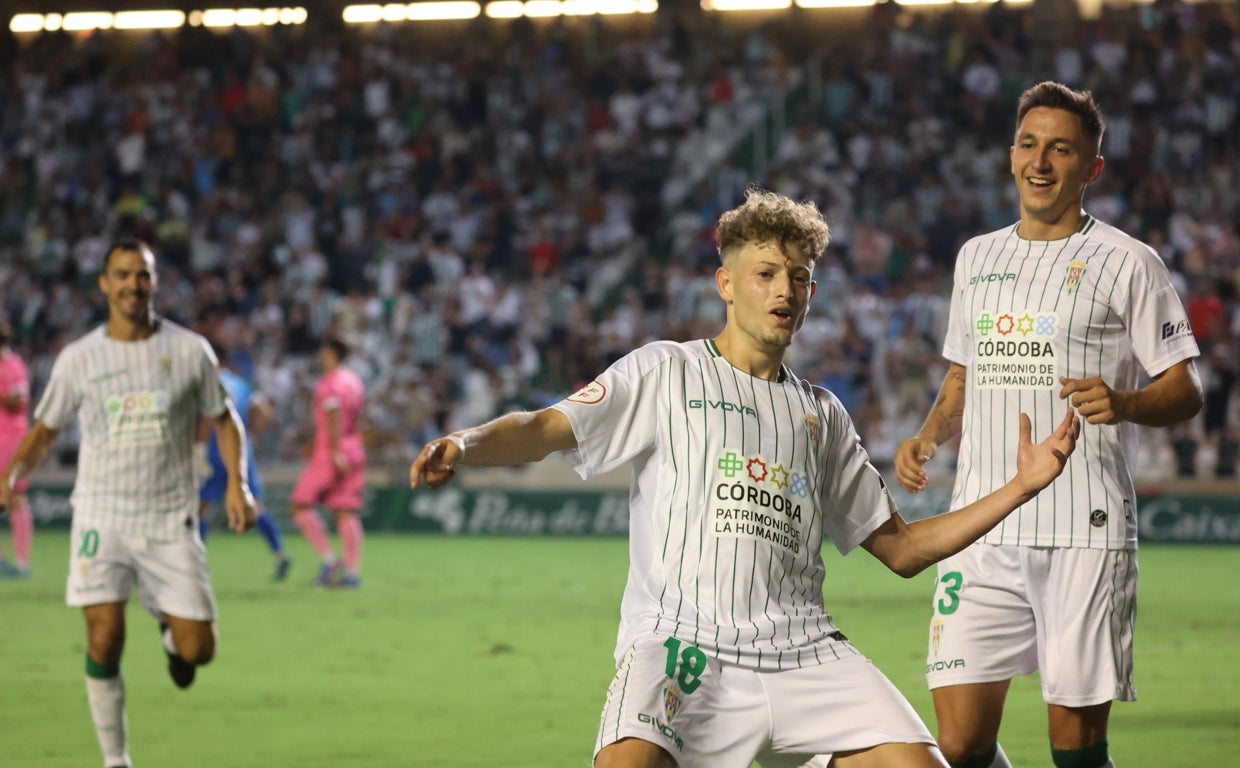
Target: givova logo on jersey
(137,418)
(754,498)
(1015,349)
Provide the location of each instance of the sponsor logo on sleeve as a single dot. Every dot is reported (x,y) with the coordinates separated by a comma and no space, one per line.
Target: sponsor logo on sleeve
(1173,331)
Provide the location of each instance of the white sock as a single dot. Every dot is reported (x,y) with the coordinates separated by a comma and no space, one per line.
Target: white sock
(169,645)
(107,708)
(1001,760)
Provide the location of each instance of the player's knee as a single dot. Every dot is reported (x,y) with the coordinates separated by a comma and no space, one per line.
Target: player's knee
(198,648)
(105,645)
(960,746)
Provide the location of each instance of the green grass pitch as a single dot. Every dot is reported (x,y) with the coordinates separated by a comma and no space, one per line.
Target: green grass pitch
(459,653)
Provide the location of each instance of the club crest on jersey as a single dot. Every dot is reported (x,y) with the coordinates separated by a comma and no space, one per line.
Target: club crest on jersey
(1075,269)
(671,699)
(814,428)
(591,394)
(936,635)
(165,363)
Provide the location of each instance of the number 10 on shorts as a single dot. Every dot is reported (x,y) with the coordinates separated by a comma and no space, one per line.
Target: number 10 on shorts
(685,665)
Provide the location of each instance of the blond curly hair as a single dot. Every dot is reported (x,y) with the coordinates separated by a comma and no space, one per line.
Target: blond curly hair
(767,216)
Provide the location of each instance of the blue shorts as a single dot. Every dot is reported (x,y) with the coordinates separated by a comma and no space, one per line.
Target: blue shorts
(213,488)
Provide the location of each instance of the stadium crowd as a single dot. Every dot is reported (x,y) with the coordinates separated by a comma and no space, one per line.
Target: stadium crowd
(487,223)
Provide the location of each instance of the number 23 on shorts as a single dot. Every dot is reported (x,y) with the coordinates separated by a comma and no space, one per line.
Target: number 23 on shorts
(684,665)
(949,594)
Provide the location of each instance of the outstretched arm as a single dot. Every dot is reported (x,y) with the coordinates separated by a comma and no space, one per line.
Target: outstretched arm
(1173,396)
(910,548)
(515,438)
(943,423)
(30,453)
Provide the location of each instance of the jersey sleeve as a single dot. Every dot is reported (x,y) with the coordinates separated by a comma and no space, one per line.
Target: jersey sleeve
(212,396)
(1156,320)
(63,393)
(956,344)
(613,417)
(855,501)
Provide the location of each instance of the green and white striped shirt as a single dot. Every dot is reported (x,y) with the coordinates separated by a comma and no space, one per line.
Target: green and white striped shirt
(736,480)
(1024,313)
(138,404)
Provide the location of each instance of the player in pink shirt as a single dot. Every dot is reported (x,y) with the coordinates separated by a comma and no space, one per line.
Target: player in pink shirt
(336,473)
(14,422)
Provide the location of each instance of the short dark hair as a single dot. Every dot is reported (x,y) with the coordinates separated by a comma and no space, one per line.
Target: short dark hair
(337,344)
(126,244)
(769,216)
(1054,95)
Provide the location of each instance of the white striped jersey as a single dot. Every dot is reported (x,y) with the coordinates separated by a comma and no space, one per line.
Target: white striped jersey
(1024,313)
(138,404)
(735,482)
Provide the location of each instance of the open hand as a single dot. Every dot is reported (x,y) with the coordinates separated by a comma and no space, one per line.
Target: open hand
(1038,464)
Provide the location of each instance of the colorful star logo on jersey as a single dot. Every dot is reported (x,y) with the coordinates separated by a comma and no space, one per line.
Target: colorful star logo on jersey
(985,323)
(1075,269)
(759,464)
(1024,325)
(1006,324)
(730,464)
(779,476)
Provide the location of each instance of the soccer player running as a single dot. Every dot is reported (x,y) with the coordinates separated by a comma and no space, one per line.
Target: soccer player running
(1057,306)
(336,473)
(14,423)
(725,650)
(256,413)
(138,385)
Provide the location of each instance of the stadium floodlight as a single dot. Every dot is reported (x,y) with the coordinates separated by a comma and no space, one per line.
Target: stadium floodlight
(26,22)
(362,14)
(543,9)
(505,9)
(746,5)
(444,10)
(52,22)
(834,3)
(608,7)
(148,19)
(82,21)
(394,12)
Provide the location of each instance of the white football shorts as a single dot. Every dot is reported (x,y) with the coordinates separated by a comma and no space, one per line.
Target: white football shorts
(709,713)
(171,576)
(1002,611)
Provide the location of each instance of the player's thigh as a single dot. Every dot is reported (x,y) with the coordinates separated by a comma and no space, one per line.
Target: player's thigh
(892,756)
(105,631)
(703,712)
(314,481)
(969,717)
(347,492)
(633,753)
(101,567)
(1086,607)
(982,629)
(173,578)
(840,707)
